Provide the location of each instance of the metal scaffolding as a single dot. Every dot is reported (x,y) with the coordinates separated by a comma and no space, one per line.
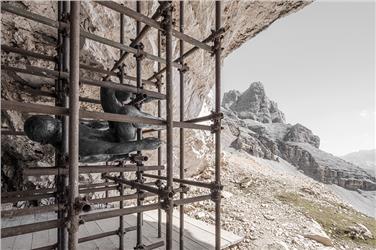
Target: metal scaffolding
(68,204)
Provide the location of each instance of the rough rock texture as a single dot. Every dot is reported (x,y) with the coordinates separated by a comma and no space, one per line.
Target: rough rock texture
(230,98)
(258,136)
(299,133)
(242,20)
(275,206)
(254,104)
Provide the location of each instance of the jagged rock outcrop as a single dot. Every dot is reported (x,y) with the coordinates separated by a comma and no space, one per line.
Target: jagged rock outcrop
(258,135)
(230,98)
(254,104)
(242,20)
(299,133)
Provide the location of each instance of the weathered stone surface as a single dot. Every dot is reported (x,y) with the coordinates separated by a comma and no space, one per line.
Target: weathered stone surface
(259,136)
(359,231)
(242,20)
(229,98)
(254,104)
(299,133)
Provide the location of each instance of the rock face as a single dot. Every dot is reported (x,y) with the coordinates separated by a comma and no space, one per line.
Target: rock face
(254,104)
(242,20)
(229,98)
(299,133)
(254,132)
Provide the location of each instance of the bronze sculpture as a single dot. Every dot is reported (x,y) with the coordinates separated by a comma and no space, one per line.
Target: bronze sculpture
(99,141)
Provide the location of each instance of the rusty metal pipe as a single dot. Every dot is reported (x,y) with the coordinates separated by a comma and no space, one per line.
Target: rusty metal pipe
(139,135)
(149,21)
(121,185)
(37,171)
(159,137)
(32,70)
(74,107)
(169,128)
(181,131)
(138,39)
(185,55)
(188,182)
(218,50)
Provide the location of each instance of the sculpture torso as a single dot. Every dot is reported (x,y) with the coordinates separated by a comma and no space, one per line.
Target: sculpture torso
(122,131)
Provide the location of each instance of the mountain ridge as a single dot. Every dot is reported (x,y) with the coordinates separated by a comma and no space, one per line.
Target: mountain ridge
(260,129)
(366,159)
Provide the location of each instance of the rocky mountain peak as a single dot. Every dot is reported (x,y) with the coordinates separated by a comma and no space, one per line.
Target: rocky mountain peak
(253,104)
(258,127)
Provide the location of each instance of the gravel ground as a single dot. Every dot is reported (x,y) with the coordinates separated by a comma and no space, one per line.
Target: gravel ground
(250,206)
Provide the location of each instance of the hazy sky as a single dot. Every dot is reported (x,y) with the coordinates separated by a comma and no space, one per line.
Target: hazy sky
(319,65)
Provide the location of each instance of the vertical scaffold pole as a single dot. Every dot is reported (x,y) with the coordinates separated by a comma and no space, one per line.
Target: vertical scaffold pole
(217,46)
(159,137)
(181,170)
(62,101)
(139,132)
(121,185)
(169,125)
(74,105)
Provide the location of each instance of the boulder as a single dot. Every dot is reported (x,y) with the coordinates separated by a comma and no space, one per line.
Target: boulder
(359,231)
(315,232)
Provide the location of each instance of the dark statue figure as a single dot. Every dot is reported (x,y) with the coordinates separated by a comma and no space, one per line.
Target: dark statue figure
(99,142)
(95,145)
(120,102)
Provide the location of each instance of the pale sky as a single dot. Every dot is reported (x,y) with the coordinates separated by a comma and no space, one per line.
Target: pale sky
(319,66)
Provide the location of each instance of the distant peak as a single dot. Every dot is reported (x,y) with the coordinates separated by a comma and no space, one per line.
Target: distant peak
(253,104)
(257,85)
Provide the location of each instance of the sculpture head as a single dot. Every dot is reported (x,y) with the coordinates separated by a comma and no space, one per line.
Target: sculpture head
(124,97)
(43,129)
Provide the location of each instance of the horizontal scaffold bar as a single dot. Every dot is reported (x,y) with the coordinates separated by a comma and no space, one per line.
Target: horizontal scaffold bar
(192,199)
(31,228)
(205,118)
(64,75)
(49,247)
(9,132)
(30,210)
(188,53)
(37,171)
(52,110)
(188,182)
(55,207)
(27,192)
(154,245)
(27,53)
(118,212)
(120,198)
(41,226)
(83,33)
(134,184)
(152,23)
(27,198)
(82,66)
(48,190)
(97,236)
(138,39)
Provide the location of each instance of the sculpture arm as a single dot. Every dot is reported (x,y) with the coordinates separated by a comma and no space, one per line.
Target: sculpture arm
(133,111)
